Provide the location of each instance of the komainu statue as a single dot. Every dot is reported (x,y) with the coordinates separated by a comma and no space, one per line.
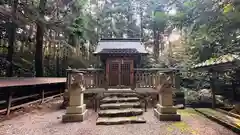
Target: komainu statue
(76,109)
(165,85)
(165,111)
(76,81)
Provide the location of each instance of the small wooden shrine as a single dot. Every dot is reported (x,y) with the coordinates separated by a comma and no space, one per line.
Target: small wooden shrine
(121,60)
(120,57)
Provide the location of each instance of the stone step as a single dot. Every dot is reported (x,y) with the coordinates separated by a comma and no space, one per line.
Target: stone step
(120,112)
(120,105)
(121,94)
(119,99)
(120,120)
(117,89)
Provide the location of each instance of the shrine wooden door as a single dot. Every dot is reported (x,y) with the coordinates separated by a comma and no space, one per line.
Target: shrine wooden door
(120,72)
(113,74)
(125,73)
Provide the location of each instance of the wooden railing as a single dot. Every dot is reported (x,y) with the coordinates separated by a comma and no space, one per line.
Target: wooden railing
(146,79)
(151,77)
(143,78)
(93,78)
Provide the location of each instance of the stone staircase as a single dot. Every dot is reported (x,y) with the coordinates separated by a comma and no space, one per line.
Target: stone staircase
(120,108)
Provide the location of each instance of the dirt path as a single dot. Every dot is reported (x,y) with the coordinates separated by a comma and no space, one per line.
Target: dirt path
(49,123)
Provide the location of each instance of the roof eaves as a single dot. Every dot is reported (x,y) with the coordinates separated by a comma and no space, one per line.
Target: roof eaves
(120,39)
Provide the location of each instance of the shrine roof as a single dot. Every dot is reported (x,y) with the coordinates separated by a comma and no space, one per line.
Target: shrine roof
(119,46)
(221,63)
(118,50)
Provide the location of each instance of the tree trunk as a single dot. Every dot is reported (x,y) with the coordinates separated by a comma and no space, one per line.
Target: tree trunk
(39,41)
(129,23)
(11,38)
(156,43)
(141,22)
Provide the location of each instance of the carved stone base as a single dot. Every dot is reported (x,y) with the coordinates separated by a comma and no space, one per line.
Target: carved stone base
(167,117)
(166,113)
(76,109)
(74,117)
(166,109)
(75,114)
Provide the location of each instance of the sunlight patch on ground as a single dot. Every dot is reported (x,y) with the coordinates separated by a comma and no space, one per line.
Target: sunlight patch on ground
(183,127)
(187,112)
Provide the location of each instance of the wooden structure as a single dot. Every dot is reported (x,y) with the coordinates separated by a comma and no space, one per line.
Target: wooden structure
(147,82)
(147,78)
(120,57)
(120,61)
(17,82)
(222,64)
(18,92)
(120,72)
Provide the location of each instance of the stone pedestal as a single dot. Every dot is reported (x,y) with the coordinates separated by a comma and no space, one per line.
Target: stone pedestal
(164,110)
(76,111)
(75,114)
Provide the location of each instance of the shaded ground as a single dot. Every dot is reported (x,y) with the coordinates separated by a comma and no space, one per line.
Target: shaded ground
(49,123)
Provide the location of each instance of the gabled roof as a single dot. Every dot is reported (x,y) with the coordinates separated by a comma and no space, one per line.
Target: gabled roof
(224,59)
(109,46)
(117,51)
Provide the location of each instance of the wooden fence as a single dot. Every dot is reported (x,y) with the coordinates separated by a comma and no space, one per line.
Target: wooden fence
(147,78)
(94,80)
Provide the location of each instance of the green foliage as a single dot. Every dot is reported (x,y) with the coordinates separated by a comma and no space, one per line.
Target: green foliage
(77,27)
(69,33)
(227,8)
(160,18)
(117,19)
(203,96)
(210,28)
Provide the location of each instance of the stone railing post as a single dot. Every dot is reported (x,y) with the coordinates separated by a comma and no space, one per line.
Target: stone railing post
(165,110)
(76,111)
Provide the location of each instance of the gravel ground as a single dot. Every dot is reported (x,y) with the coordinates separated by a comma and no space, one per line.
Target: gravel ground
(45,122)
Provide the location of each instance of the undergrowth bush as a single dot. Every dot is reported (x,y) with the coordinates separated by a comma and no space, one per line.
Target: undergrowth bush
(203,96)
